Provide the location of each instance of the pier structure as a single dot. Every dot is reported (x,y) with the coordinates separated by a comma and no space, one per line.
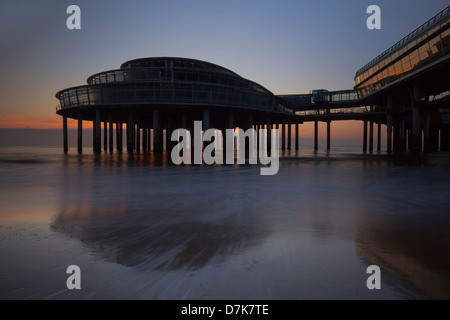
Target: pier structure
(406,89)
(152,97)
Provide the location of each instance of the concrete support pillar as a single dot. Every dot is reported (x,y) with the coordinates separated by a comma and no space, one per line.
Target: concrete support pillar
(80,134)
(316,135)
(261,131)
(248,146)
(379,137)
(98,132)
(371,132)
(130,133)
(389,133)
(111,135)
(416,130)
(93,133)
(328,135)
(158,143)
(105,135)
(150,141)
(426,132)
(249,123)
(371,136)
(119,136)
(171,127)
(445,137)
(65,139)
(431,133)
(229,124)
(409,139)
(205,124)
(184,123)
(149,138)
(230,121)
(297,136)
(184,120)
(256,127)
(283,136)
(390,123)
(365,136)
(269,137)
(145,138)
(138,137)
(404,136)
(289,146)
(277,126)
(397,136)
(206,119)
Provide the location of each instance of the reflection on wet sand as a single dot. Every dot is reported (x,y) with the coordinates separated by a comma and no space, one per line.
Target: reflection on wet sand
(159,220)
(420,262)
(225,232)
(148,240)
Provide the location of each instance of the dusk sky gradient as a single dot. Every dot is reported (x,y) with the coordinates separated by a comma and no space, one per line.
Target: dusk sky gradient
(286,46)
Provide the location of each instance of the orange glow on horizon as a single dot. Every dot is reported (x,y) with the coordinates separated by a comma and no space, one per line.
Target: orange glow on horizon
(45,123)
(339,129)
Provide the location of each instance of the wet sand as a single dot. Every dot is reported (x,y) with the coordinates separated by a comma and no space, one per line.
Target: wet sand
(140,230)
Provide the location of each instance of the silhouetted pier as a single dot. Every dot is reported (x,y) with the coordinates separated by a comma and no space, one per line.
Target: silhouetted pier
(406,88)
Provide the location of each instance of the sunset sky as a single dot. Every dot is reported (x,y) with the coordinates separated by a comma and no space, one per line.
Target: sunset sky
(286,46)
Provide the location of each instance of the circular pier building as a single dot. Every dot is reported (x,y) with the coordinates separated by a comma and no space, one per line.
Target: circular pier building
(166,93)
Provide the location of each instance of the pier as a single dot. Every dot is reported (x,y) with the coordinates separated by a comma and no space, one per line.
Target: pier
(406,89)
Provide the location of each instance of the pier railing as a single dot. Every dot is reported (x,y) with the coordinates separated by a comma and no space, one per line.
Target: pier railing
(166,94)
(441,16)
(346,111)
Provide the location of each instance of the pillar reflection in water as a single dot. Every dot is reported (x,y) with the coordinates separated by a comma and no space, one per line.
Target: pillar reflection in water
(151,221)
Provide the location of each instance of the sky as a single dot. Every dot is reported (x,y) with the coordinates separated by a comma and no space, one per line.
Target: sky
(288,46)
